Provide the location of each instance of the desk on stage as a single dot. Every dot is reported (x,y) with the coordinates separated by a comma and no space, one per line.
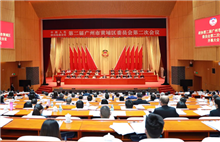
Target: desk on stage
(104,81)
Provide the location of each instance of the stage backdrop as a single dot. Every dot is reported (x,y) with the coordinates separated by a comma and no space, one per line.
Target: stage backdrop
(60,57)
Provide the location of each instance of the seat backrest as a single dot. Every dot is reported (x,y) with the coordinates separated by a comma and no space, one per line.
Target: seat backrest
(38,138)
(211,139)
(162,140)
(206,118)
(176,118)
(65,118)
(96,139)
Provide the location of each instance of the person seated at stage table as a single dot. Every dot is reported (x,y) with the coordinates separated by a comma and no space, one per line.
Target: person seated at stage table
(112,76)
(104,76)
(94,76)
(86,76)
(134,71)
(124,76)
(50,127)
(129,75)
(2,99)
(165,110)
(73,75)
(216,112)
(112,70)
(148,70)
(136,76)
(118,76)
(141,76)
(131,96)
(129,104)
(139,100)
(68,100)
(96,73)
(120,71)
(126,71)
(68,71)
(142,70)
(61,97)
(79,76)
(75,71)
(83,70)
(68,76)
(154,126)
(88,72)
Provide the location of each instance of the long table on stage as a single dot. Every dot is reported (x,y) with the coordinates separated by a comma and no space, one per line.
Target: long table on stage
(112,81)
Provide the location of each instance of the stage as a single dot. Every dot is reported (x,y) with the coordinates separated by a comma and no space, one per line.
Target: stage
(152,85)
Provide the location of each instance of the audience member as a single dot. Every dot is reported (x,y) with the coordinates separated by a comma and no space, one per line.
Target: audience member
(28,105)
(34,101)
(79,104)
(68,100)
(61,97)
(105,112)
(106,96)
(139,100)
(11,95)
(86,93)
(2,99)
(129,104)
(216,112)
(104,101)
(121,98)
(55,95)
(36,111)
(165,110)
(50,127)
(80,97)
(152,97)
(89,98)
(131,96)
(154,125)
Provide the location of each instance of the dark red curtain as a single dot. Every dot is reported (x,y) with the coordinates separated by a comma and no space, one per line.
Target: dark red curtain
(46,56)
(163,51)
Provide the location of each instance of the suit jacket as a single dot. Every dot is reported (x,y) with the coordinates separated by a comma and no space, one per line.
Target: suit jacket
(131,97)
(166,111)
(215,112)
(140,101)
(86,94)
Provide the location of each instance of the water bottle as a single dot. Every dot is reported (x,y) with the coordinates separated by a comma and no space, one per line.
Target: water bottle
(60,108)
(210,102)
(51,104)
(11,105)
(112,108)
(113,97)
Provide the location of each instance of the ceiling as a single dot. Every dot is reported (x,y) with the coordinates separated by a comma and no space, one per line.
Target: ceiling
(81,9)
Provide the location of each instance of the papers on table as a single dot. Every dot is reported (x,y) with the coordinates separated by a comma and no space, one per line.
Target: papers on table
(202,103)
(122,128)
(213,124)
(3,106)
(124,108)
(118,113)
(4,121)
(206,107)
(146,112)
(11,112)
(139,128)
(94,113)
(3,111)
(180,112)
(93,107)
(202,112)
(47,113)
(139,107)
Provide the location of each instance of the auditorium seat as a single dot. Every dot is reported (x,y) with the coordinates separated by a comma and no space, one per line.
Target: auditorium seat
(65,118)
(176,118)
(96,139)
(38,138)
(206,118)
(211,139)
(162,140)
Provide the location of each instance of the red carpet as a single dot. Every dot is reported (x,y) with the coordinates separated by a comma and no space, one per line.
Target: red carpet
(77,87)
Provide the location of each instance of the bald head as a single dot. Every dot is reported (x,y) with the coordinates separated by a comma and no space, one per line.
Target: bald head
(164,100)
(68,100)
(105,112)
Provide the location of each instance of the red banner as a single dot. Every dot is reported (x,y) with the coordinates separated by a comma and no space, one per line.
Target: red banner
(105,32)
(6,35)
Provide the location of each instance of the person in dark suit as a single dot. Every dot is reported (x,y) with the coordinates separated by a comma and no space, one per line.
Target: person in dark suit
(216,112)
(142,76)
(86,93)
(165,111)
(61,97)
(139,100)
(12,87)
(181,103)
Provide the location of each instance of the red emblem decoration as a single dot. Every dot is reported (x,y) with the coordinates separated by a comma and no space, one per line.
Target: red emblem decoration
(105,53)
